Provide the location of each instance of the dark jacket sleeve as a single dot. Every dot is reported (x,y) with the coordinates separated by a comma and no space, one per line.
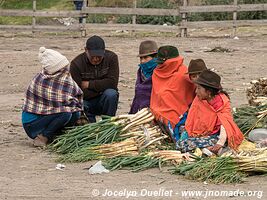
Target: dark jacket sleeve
(76,75)
(110,80)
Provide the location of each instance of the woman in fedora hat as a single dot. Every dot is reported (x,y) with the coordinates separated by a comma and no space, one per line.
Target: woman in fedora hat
(172,90)
(147,54)
(210,123)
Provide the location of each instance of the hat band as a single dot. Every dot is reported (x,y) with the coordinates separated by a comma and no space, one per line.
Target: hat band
(146,53)
(195,72)
(204,82)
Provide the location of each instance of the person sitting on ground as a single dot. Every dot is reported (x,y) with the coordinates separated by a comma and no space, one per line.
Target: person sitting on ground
(53,99)
(96,71)
(172,90)
(143,86)
(210,122)
(195,68)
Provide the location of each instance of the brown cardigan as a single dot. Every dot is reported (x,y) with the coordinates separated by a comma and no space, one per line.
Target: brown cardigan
(100,77)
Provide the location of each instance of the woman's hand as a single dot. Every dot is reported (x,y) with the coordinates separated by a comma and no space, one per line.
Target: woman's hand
(215,149)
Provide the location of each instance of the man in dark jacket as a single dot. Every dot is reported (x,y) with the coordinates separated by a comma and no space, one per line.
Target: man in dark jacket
(96,71)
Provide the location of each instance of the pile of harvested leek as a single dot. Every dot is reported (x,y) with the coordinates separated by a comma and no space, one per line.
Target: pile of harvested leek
(229,168)
(129,146)
(133,163)
(257,92)
(125,147)
(249,117)
(252,161)
(172,156)
(146,160)
(145,135)
(102,132)
(214,170)
(112,137)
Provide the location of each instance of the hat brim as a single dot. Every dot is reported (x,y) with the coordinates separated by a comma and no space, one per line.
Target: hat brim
(196,72)
(202,82)
(146,54)
(99,52)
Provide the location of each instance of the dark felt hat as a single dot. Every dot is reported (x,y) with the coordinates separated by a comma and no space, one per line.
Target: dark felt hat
(96,46)
(147,47)
(210,79)
(196,66)
(167,52)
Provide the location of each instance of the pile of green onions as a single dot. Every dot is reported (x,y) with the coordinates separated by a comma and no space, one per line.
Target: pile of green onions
(125,147)
(103,132)
(250,117)
(215,170)
(133,163)
(229,168)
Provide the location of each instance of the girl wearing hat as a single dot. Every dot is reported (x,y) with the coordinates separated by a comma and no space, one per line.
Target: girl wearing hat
(143,86)
(210,123)
(53,99)
(195,68)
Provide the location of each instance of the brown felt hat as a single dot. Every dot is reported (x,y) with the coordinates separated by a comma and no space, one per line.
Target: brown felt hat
(196,66)
(147,47)
(210,79)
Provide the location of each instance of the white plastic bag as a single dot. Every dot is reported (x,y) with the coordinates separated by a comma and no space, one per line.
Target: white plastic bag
(258,135)
(98,168)
(60,166)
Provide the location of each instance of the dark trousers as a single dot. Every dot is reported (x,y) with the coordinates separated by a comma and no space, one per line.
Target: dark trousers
(49,125)
(105,104)
(78,6)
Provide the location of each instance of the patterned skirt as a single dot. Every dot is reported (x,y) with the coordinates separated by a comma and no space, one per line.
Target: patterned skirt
(191,143)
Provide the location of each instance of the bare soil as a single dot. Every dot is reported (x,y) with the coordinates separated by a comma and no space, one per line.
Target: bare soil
(29,173)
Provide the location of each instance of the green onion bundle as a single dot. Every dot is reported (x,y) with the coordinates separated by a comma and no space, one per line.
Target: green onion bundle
(125,147)
(103,132)
(249,117)
(146,160)
(171,156)
(250,162)
(214,170)
(128,146)
(133,163)
(229,168)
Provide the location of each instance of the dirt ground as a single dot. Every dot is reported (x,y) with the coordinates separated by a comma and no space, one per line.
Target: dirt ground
(29,173)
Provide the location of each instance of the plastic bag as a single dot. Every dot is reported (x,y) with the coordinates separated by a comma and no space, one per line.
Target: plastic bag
(257,134)
(60,166)
(98,168)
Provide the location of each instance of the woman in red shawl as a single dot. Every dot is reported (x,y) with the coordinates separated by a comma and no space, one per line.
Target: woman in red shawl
(172,90)
(210,123)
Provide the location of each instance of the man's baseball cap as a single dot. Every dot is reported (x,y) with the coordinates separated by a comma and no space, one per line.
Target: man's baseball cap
(95,46)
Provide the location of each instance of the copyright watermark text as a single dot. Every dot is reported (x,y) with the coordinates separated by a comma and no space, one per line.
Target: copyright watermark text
(162,192)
